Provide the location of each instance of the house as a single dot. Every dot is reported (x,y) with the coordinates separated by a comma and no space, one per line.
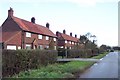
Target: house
(67,41)
(18,33)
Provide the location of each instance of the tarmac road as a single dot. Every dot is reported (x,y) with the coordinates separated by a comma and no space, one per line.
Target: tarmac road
(107,67)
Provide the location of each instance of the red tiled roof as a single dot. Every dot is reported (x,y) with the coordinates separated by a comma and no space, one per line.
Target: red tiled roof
(31,27)
(70,38)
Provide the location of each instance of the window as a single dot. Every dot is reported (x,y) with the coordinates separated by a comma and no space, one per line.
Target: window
(65,47)
(47,47)
(28,46)
(40,47)
(54,47)
(70,42)
(47,38)
(65,41)
(39,36)
(11,47)
(19,47)
(61,47)
(54,39)
(28,34)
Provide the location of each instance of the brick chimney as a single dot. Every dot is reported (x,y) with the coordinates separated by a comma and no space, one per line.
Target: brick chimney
(47,25)
(57,33)
(33,19)
(64,32)
(10,12)
(71,34)
(75,36)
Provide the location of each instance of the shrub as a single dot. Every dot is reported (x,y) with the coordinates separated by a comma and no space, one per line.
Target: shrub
(14,61)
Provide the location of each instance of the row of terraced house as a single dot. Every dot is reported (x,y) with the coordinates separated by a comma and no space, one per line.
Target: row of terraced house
(18,33)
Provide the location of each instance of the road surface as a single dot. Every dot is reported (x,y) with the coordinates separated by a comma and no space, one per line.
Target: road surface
(107,67)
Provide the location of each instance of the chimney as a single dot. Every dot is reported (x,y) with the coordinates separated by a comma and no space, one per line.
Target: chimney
(71,34)
(57,33)
(33,20)
(64,31)
(75,36)
(10,12)
(47,25)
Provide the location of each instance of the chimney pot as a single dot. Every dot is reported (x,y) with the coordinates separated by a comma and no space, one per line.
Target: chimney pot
(71,34)
(33,19)
(47,25)
(75,36)
(64,31)
(10,12)
(57,33)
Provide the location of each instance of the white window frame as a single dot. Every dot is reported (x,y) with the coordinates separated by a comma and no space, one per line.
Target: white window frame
(28,34)
(19,47)
(11,47)
(69,42)
(55,47)
(47,37)
(54,39)
(47,46)
(65,41)
(72,42)
(27,45)
(39,36)
(61,47)
(41,47)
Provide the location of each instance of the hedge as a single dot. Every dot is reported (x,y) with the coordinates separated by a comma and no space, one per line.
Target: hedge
(14,61)
(81,53)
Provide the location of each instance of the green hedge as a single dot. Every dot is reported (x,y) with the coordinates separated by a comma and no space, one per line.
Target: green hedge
(14,61)
(81,53)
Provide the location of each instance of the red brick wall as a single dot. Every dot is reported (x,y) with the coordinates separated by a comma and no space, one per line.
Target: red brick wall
(11,33)
(43,41)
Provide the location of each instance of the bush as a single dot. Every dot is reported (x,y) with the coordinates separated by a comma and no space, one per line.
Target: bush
(20,60)
(75,53)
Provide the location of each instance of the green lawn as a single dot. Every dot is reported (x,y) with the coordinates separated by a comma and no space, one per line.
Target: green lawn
(58,70)
(100,55)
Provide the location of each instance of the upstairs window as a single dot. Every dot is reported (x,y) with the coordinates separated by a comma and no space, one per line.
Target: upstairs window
(54,39)
(69,42)
(28,34)
(72,42)
(39,36)
(47,38)
(65,41)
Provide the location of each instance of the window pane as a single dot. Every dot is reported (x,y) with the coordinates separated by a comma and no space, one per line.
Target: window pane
(54,39)
(40,47)
(47,38)
(39,36)
(28,46)
(28,34)
(54,47)
(65,41)
(19,47)
(11,47)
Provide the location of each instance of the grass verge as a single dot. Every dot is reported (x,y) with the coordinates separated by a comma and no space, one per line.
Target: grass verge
(100,55)
(66,70)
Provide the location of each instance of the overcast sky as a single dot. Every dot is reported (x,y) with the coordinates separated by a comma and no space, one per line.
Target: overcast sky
(99,17)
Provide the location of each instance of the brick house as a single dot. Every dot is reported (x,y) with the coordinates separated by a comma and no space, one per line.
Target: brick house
(22,34)
(67,41)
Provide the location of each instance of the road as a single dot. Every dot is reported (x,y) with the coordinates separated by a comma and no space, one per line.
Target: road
(107,67)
